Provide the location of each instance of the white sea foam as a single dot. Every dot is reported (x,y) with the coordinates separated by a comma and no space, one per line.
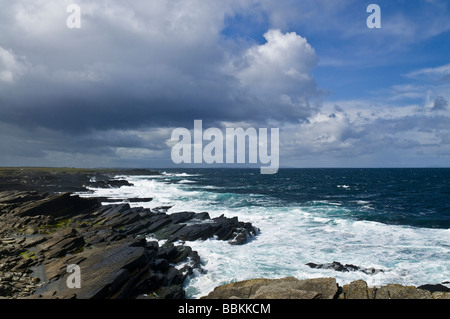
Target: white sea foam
(186,181)
(178,174)
(290,237)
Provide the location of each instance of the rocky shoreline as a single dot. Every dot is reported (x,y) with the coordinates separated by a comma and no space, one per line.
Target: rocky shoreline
(41,234)
(322,288)
(128,252)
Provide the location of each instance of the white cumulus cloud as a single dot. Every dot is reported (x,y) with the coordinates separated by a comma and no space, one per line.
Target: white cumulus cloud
(11,66)
(278,72)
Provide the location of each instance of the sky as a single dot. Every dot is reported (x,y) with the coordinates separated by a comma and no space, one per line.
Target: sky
(110,93)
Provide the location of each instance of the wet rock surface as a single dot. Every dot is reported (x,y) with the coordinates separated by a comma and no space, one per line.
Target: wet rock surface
(335,265)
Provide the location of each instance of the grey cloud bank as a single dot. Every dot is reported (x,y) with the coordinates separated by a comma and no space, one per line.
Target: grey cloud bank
(110,92)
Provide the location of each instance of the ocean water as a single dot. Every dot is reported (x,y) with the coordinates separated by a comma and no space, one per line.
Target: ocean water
(397,220)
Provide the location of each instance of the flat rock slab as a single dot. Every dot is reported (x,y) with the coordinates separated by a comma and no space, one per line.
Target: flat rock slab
(58,206)
(396,291)
(102,271)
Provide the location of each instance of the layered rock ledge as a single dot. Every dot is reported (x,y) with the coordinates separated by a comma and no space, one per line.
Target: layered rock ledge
(41,234)
(322,288)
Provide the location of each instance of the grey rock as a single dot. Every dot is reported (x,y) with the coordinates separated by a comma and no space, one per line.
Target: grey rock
(355,290)
(61,205)
(434,288)
(284,288)
(335,265)
(396,291)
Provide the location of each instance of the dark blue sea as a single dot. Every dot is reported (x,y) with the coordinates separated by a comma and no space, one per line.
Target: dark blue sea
(397,220)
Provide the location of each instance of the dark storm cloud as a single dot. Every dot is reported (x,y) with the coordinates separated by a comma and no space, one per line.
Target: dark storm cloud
(117,85)
(124,70)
